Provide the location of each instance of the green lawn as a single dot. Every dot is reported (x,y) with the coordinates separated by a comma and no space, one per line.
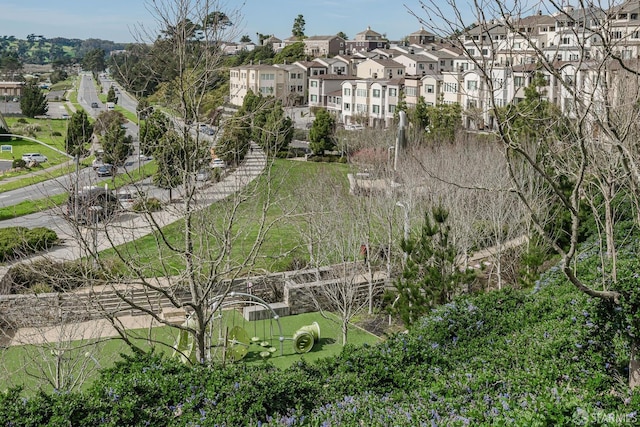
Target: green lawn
(49,131)
(280,247)
(27,365)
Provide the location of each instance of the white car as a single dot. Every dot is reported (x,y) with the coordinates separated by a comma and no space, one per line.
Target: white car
(218,163)
(34,158)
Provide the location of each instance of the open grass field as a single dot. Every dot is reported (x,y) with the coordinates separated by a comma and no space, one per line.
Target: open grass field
(49,131)
(30,365)
(282,244)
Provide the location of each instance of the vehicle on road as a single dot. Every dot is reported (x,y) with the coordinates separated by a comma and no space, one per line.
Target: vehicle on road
(111,106)
(97,162)
(126,198)
(203,175)
(34,158)
(106,170)
(91,205)
(218,163)
(94,105)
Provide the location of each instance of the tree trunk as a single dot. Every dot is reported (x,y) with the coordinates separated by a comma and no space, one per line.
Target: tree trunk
(634,365)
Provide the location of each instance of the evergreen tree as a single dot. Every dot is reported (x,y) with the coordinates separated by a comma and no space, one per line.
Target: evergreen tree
(277,132)
(33,102)
(116,144)
(298,27)
(111,95)
(167,154)
(321,133)
(79,133)
(431,275)
(152,129)
(94,61)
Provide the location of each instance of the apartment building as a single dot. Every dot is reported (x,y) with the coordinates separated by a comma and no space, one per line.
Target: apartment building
(286,83)
(491,67)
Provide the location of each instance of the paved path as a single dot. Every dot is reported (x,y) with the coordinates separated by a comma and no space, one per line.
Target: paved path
(125,228)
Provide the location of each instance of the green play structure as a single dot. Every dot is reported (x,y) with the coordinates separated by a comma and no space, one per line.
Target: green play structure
(230,340)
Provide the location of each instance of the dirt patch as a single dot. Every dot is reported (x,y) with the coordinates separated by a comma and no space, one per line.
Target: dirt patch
(378,325)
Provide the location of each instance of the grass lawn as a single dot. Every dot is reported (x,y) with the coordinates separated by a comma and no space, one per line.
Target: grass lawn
(27,365)
(281,245)
(50,131)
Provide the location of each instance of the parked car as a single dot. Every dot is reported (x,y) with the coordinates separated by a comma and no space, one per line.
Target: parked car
(34,158)
(203,175)
(355,126)
(93,204)
(106,170)
(126,199)
(218,163)
(97,162)
(94,105)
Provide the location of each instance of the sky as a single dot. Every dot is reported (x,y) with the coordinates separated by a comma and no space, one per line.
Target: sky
(117,20)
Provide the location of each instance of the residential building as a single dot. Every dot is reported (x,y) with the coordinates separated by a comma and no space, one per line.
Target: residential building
(366,41)
(379,69)
(317,46)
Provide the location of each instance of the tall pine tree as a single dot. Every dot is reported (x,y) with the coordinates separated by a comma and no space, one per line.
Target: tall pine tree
(78,133)
(431,275)
(33,102)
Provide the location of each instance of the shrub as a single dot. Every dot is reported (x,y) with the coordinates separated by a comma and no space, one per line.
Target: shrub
(23,120)
(56,133)
(151,204)
(21,241)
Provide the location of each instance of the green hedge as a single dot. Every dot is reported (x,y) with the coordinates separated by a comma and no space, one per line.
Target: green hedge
(503,358)
(16,242)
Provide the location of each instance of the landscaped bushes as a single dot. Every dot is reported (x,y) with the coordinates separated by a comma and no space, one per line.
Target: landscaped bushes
(17,242)
(502,358)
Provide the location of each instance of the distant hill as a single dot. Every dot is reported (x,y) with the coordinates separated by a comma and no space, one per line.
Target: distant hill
(37,49)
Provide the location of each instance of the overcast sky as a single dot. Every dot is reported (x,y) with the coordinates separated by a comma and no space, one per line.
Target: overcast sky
(116,20)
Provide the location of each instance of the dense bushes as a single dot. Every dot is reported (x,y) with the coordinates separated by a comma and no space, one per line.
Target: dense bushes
(507,357)
(17,242)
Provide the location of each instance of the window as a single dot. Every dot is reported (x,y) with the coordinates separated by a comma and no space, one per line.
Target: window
(347,106)
(314,98)
(472,52)
(347,91)
(361,92)
(293,75)
(626,54)
(299,88)
(361,108)
(472,85)
(565,40)
(267,76)
(429,88)
(411,91)
(392,108)
(393,92)
(376,93)
(616,34)
(451,87)
(313,83)
(518,81)
(376,109)
(485,52)
(573,57)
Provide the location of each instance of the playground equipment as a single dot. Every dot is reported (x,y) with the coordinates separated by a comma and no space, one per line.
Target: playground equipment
(228,339)
(306,337)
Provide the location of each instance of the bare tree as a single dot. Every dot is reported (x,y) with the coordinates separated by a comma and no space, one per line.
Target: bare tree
(199,256)
(593,88)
